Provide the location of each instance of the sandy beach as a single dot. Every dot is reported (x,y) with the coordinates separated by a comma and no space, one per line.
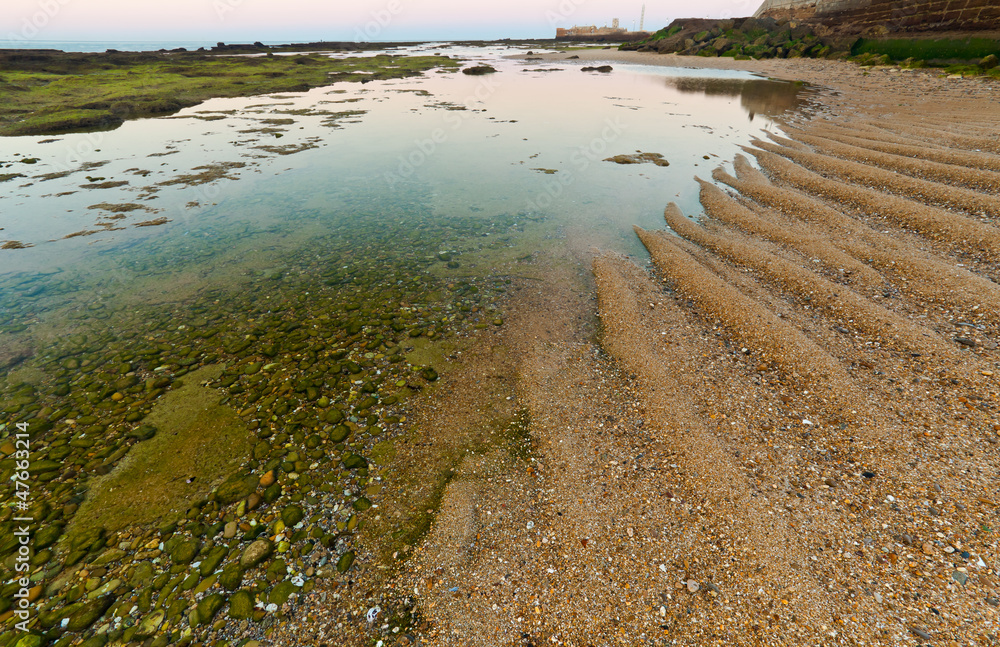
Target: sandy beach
(783,431)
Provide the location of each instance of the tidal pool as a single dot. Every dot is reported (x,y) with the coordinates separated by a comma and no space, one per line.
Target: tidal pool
(299,262)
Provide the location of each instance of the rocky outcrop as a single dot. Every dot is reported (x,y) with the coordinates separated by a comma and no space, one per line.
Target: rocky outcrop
(744,38)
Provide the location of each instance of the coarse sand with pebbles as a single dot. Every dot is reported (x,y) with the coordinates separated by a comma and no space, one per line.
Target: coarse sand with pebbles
(781,431)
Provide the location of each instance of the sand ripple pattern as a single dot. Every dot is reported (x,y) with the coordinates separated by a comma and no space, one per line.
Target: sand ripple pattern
(822,340)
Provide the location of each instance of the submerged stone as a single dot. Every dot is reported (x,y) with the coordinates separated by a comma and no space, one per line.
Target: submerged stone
(345,561)
(241,605)
(354,461)
(256,552)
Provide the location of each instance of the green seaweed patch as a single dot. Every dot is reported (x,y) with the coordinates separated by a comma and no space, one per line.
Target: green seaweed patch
(429,352)
(198,445)
(639,158)
(209,173)
(287,149)
(109,184)
(68,92)
(118,208)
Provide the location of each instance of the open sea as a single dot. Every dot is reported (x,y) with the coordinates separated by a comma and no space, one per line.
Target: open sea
(104,45)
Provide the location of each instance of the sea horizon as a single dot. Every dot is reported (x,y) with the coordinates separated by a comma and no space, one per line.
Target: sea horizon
(171,44)
(157,45)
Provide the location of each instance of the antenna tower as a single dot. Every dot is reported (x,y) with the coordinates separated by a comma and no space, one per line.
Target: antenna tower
(642,18)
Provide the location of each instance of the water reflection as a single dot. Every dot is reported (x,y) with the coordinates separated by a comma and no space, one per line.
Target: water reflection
(757,96)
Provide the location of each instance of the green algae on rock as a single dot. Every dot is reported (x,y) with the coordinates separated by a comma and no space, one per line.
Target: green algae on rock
(199,444)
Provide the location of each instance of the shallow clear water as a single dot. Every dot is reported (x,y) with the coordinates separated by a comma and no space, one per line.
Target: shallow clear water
(487,168)
(458,144)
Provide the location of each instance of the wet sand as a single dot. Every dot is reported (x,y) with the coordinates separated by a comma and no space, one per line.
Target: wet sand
(782,431)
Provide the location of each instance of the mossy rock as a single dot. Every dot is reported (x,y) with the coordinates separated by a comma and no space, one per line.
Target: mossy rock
(361,504)
(235,489)
(281,592)
(89,613)
(231,577)
(184,551)
(29,640)
(100,640)
(354,461)
(47,535)
(42,466)
(142,575)
(340,433)
(209,606)
(334,416)
(479,70)
(241,605)
(291,515)
(147,626)
(345,561)
(277,570)
(261,450)
(213,559)
(41,557)
(272,492)
(108,556)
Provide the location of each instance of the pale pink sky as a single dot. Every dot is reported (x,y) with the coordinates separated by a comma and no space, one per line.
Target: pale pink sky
(281,20)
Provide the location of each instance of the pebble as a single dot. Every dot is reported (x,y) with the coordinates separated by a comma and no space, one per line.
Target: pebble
(256,552)
(693,586)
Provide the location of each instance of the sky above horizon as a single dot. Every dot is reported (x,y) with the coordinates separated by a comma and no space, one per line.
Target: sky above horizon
(23,21)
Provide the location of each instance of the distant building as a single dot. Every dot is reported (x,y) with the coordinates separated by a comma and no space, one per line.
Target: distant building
(592,32)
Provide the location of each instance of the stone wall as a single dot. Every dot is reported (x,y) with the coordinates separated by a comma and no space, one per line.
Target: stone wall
(893,15)
(921,15)
(787,9)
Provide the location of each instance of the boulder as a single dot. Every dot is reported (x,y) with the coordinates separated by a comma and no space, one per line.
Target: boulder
(478,70)
(241,605)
